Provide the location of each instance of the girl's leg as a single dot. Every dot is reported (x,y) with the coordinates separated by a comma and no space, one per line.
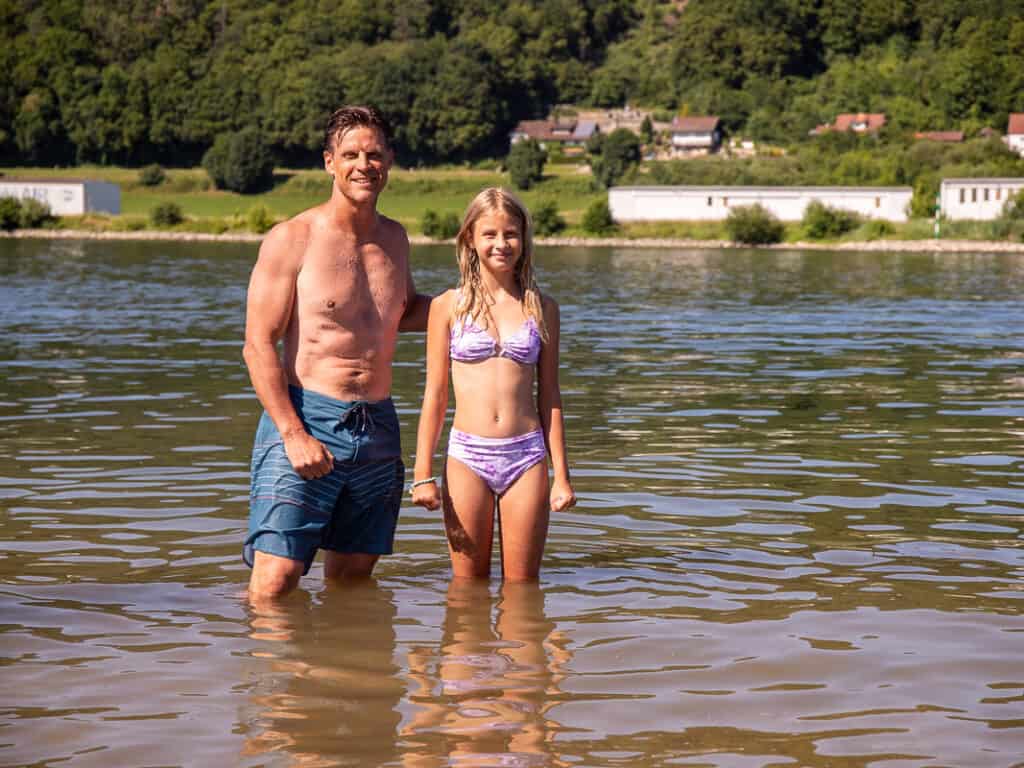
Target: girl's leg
(523,514)
(468,520)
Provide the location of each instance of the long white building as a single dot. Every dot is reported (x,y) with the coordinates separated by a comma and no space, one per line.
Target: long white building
(981,199)
(66,197)
(787,203)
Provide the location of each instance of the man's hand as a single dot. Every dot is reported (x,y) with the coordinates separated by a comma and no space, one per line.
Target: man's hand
(427,495)
(562,496)
(308,456)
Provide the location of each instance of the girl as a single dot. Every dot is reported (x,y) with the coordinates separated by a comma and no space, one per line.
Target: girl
(498,334)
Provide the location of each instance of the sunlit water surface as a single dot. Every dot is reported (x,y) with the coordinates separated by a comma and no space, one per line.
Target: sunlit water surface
(798,541)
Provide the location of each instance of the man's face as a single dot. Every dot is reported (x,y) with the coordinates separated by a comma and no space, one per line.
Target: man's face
(359,163)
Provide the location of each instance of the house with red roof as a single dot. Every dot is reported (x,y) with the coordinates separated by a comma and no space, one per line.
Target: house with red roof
(1014,137)
(857,122)
(951,137)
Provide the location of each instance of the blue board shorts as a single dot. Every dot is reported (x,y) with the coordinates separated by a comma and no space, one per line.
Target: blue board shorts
(353,508)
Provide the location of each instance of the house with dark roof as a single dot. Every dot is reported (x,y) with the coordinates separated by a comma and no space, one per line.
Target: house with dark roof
(564,132)
(693,135)
(1014,137)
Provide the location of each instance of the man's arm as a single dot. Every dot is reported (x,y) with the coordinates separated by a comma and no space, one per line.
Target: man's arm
(269,305)
(435,402)
(417,305)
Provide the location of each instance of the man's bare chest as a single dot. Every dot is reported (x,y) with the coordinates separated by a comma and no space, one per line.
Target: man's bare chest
(344,283)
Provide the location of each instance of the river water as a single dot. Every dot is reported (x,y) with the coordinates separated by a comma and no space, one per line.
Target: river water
(798,540)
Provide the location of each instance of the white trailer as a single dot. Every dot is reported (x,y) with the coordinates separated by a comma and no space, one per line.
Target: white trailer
(713,203)
(66,197)
(979,199)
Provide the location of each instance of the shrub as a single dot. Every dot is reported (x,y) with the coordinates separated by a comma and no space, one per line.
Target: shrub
(439,226)
(821,221)
(753,225)
(181,183)
(152,175)
(997,229)
(35,214)
(525,163)
(240,162)
(546,219)
(127,223)
(597,219)
(876,229)
(10,213)
(212,225)
(259,219)
(1013,209)
(166,214)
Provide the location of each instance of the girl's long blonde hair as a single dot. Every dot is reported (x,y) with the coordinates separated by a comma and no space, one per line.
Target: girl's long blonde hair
(472,300)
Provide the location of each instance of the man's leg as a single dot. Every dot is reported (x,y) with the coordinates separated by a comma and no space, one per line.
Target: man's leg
(273,577)
(348,565)
(364,519)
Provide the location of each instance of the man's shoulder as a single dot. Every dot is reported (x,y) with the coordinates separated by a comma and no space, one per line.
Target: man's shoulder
(297,228)
(287,241)
(392,230)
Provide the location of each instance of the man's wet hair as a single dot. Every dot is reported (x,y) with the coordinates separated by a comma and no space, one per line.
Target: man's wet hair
(346,118)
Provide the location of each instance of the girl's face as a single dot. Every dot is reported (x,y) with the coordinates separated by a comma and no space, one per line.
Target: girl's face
(498,241)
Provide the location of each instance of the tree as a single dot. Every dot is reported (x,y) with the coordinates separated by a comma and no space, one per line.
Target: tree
(240,162)
(647,130)
(525,163)
(620,151)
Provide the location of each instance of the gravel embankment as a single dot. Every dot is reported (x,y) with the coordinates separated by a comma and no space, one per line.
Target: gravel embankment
(923,246)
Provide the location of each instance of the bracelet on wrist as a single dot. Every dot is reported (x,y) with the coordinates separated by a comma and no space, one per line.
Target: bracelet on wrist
(418,483)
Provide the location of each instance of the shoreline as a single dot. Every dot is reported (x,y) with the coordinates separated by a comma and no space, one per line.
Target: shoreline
(911,246)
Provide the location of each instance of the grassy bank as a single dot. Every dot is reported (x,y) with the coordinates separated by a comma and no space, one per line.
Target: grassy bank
(410,193)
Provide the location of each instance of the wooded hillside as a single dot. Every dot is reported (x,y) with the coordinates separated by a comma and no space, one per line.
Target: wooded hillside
(139,81)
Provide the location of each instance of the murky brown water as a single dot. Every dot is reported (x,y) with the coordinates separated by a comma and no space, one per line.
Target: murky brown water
(798,541)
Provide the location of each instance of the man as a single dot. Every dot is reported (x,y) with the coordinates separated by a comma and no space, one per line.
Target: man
(334,285)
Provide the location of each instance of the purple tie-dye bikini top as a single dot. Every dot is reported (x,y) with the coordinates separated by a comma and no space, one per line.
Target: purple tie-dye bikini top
(470,343)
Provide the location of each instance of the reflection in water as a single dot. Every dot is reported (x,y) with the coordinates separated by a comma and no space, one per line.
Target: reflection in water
(325,687)
(485,696)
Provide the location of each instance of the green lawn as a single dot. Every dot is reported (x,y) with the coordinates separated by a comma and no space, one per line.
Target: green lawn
(409,194)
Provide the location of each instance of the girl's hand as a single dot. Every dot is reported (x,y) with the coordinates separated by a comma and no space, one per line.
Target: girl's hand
(562,496)
(427,495)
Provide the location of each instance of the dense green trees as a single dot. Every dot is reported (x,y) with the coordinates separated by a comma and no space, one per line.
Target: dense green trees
(143,81)
(139,81)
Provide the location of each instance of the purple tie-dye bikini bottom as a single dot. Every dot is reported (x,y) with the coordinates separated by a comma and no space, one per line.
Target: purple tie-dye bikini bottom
(499,461)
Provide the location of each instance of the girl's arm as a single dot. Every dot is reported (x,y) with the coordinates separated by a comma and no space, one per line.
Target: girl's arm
(549,407)
(435,401)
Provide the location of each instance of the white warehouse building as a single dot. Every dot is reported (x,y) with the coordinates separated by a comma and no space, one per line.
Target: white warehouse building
(66,197)
(981,199)
(787,203)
